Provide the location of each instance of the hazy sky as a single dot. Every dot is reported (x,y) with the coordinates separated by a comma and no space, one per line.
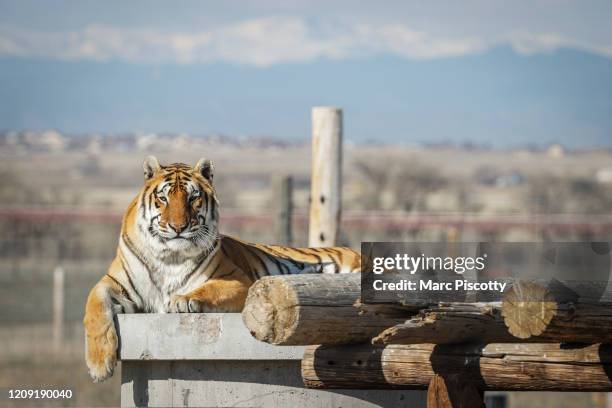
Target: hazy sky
(484,71)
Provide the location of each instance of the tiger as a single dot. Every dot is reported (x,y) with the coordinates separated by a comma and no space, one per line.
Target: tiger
(171,258)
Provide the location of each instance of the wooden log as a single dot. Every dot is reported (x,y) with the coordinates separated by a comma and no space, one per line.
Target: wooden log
(326,179)
(502,367)
(483,322)
(535,311)
(449,324)
(389,309)
(532,308)
(282,187)
(310,309)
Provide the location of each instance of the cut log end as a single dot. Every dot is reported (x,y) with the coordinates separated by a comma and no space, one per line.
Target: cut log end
(307,309)
(270,312)
(528,309)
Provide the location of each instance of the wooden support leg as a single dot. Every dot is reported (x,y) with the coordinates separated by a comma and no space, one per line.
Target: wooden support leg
(452,392)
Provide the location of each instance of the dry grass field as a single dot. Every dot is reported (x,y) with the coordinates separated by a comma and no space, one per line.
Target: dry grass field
(400,180)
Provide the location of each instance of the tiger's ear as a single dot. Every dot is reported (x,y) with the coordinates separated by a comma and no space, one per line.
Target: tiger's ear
(150,166)
(205,168)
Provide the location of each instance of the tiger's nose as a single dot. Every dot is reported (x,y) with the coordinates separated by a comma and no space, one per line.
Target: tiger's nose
(178,227)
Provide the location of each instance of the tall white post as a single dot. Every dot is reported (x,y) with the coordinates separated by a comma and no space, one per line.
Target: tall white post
(326,179)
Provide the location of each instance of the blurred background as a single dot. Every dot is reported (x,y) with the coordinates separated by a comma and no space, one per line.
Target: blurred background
(478,120)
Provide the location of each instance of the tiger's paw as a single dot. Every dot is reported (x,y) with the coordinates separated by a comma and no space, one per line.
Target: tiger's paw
(185,304)
(102,354)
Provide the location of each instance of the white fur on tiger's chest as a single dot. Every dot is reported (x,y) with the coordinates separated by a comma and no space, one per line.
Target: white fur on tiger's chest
(158,281)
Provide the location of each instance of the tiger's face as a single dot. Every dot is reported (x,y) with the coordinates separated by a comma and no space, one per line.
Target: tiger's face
(179,208)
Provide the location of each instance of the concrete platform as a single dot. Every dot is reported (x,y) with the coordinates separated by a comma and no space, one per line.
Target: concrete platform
(211,360)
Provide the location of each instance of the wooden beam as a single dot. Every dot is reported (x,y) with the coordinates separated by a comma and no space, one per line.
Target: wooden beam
(502,367)
(310,309)
(326,179)
(484,322)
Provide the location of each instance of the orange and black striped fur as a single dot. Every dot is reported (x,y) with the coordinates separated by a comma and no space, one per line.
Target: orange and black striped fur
(171,259)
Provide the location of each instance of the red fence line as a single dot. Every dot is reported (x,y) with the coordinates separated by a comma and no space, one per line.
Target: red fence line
(351,219)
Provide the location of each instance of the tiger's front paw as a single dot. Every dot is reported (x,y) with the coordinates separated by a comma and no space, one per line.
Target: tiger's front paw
(102,354)
(185,304)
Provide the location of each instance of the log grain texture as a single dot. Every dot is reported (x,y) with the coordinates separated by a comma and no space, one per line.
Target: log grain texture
(326,178)
(501,367)
(532,308)
(311,309)
(484,322)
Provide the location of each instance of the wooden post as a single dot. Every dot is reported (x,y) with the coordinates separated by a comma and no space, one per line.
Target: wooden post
(58,306)
(282,187)
(453,391)
(325,190)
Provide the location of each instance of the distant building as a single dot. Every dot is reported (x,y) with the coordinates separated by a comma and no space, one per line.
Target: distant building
(604,175)
(556,151)
(53,140)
